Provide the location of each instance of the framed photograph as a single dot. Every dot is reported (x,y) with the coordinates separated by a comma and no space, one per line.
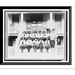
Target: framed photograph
(36,35)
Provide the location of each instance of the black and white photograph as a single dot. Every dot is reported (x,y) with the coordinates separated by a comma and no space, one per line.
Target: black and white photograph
(37,36)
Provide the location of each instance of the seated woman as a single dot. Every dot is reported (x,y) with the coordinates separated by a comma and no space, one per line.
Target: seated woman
(44,36)
(29,44)
(41,45)
(35,44)
(47,45)
(22,44)
(22,41)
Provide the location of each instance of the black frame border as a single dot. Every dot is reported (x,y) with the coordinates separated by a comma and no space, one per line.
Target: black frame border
(24,65)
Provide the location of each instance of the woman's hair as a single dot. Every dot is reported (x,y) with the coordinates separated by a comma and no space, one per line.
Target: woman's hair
(44,32)
(39,31)
(29,32)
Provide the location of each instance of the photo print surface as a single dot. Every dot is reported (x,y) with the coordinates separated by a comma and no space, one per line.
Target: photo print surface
(36,35)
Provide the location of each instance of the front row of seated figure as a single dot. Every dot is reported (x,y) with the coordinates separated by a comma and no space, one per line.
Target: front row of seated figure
(37,43)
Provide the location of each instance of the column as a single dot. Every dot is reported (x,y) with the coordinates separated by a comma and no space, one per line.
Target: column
(21,23)
(51,21)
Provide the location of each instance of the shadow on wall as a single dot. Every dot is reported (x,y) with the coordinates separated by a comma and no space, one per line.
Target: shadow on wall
(11,40)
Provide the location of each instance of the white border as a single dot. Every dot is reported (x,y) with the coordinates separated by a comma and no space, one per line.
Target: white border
(38,12)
